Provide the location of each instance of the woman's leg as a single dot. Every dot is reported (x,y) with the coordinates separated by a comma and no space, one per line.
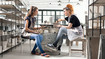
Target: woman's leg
(35,46)
(61,32)
(41,37)
(61,41)
(38,42)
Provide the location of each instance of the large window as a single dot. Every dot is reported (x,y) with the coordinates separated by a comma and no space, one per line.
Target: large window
(50,16)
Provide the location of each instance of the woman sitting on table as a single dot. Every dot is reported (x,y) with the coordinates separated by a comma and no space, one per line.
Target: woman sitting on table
(29,28)
(73,22)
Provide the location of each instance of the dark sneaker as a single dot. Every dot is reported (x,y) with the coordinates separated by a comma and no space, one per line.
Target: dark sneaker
(35,53)
(51,47)
(58,52)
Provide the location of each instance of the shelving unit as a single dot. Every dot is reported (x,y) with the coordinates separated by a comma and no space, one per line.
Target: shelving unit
(96,26)
(97,2)
(11,20)
(8,15)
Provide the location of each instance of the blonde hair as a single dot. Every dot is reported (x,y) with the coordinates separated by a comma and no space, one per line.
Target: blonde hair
(31,11)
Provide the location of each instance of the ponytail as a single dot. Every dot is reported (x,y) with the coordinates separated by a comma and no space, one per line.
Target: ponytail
(31,11)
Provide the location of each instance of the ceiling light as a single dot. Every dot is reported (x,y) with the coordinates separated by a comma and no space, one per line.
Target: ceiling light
(80,0)
(50,3)
(59,4)
(59,1)
(78,3)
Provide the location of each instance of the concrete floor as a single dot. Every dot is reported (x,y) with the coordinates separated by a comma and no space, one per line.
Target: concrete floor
(16,53)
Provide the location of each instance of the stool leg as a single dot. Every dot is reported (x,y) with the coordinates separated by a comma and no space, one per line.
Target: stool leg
(71,43)
(30,44)
(67,42)
(70,48)
(76,43)
(85,48)
(82,47)
(21,46)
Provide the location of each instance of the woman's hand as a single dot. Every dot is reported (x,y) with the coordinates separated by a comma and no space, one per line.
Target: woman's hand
(58,25)
(43,27)
(57,21)
(36,32)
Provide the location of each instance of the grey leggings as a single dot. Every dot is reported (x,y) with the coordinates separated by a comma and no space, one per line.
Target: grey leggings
(60,37)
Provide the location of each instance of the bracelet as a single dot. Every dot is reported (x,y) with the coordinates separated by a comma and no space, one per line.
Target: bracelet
(57,21)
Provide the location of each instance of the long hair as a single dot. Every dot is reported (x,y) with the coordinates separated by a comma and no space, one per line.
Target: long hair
(70,7)
(31,11)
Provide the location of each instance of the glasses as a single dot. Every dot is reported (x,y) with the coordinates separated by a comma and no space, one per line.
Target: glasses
(66,8)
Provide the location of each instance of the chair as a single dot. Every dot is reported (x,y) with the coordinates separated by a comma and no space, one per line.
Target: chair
(23,38)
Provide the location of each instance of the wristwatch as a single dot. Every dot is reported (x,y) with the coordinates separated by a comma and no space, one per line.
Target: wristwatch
(57,21)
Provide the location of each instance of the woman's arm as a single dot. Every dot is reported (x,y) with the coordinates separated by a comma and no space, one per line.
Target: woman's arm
(68,27)
(27,29)
(35,28)
(59,20)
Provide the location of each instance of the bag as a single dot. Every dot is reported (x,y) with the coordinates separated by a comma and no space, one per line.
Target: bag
(26,34)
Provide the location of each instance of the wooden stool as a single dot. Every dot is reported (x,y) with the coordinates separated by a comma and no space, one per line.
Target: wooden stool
(67,42)
(83,46)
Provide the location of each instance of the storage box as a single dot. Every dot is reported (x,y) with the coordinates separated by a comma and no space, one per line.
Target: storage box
(4,45)
(13,42)
(9,42)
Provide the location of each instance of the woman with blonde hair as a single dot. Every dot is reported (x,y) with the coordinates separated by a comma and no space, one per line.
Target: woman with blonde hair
(29,28)
(73,22)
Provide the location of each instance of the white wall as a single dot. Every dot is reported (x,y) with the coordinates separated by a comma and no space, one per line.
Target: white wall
(79,10)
